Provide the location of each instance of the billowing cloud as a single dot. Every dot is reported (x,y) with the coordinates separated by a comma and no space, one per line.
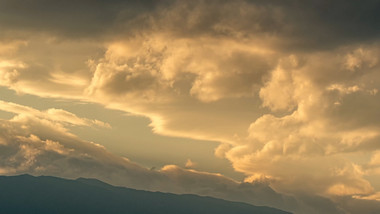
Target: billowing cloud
(331,111)
(321,122)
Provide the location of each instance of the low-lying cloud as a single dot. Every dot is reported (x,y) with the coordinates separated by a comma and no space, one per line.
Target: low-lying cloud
(42,147)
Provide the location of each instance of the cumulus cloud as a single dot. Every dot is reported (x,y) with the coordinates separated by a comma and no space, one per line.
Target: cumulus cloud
(323,126)
(322,121)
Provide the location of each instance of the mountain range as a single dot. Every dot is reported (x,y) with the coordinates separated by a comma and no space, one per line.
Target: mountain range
(52,195)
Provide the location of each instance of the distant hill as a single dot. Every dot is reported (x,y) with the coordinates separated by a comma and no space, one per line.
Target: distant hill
(27,194)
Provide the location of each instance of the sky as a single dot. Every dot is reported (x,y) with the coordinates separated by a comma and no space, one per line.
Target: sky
(270,102)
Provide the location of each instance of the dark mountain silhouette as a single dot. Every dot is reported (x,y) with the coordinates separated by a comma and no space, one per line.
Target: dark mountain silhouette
(44,194)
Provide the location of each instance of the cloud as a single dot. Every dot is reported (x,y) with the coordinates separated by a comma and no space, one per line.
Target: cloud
(152,68)
(190,164)
(312,114)
(289,89)
(325,123)
(9,72)
(37,146)
(55,115)
(322,24)
(59,66)
(82,19)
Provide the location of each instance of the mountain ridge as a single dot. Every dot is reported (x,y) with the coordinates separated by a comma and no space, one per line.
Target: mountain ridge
(46,194)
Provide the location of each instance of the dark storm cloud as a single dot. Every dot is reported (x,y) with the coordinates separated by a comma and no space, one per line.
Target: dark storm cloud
(328,23)
(299,24)
(84,18)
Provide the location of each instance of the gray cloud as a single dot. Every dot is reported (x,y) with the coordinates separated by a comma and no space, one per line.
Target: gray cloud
(80,19)
(301,24)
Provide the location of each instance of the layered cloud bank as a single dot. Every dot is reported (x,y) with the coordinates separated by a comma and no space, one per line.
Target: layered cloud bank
(34,145)
(40,146)
(289,88)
